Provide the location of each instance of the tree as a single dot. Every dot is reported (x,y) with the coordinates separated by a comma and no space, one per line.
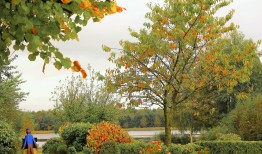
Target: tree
(143,122)
(157,121)
(27,121)
(245,120)
(179,57)
(11,94)
(207,114)
(34,24)
(80,100)
(227,101)
(44,120)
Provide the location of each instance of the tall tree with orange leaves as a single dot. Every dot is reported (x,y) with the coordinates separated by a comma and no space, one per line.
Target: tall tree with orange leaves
(180,57)
(32,25)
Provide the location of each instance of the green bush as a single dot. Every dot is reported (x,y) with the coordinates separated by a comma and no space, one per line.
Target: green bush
(142,148)
(213,134)
(7,139)
(130,148)
(72,150)
(245,120)
(75,135)
(109,147)
(232,147)
(62,149)
(86,150)
(51,145)
(229,137)
(175,138)
(186,149)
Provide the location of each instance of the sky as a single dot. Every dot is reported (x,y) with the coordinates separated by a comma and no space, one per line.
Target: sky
(111,30)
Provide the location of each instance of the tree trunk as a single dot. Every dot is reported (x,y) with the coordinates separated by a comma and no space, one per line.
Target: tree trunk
(191,135)
(167,125)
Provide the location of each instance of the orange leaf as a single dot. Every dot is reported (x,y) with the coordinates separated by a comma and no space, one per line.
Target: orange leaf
(151,52)
(66,1)
(203,19)
(77,64)
(126,65)
(75,69)
(83,72)
(119,9)
(141,85)
(34,31)
(85,4)
(172,45)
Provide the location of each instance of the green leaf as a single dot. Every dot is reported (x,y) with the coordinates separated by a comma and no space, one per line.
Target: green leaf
(7,5)
(43,55)
(16,47)
(58,65)
(66,62)
(25,9)
(47,60)
(32,57)
(58,55)
(106,48)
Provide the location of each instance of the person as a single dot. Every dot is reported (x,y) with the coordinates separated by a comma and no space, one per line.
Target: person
(29,142)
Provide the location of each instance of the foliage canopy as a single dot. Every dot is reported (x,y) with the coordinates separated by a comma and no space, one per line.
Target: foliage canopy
(32,25)
(180,57)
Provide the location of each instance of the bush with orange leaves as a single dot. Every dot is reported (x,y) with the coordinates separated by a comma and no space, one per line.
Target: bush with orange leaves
(106,131)
(154,147)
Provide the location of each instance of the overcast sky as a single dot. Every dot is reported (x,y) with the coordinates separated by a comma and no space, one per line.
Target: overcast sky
(112,29)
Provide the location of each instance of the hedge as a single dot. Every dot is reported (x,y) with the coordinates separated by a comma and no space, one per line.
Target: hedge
(232,147)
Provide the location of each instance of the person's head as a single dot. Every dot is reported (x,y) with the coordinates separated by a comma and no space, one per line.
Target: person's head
(28,130)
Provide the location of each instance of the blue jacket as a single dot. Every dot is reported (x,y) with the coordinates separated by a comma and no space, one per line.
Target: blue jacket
(29,139)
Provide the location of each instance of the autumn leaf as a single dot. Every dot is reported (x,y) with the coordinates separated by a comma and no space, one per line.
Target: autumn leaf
(126,65)
(106,48)
(66,1)
(34,31)
(85,4)
(172,45)
(83,72)
(76,67)
(119,9)
(141,85)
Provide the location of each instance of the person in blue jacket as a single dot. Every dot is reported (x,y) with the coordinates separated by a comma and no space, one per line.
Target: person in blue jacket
(29,141)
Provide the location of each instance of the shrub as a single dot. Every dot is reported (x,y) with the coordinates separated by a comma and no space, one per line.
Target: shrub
(175,138)
(62,149)
(153,148)
(86,150)
(106,131)
(213,134)
(180,138)
(143,148)
(232,147)
(51,145)
(75,134)
(133,148)
(7,139)
(229,137)
(186,149)
(245,120)
(109,147)
(72,150)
